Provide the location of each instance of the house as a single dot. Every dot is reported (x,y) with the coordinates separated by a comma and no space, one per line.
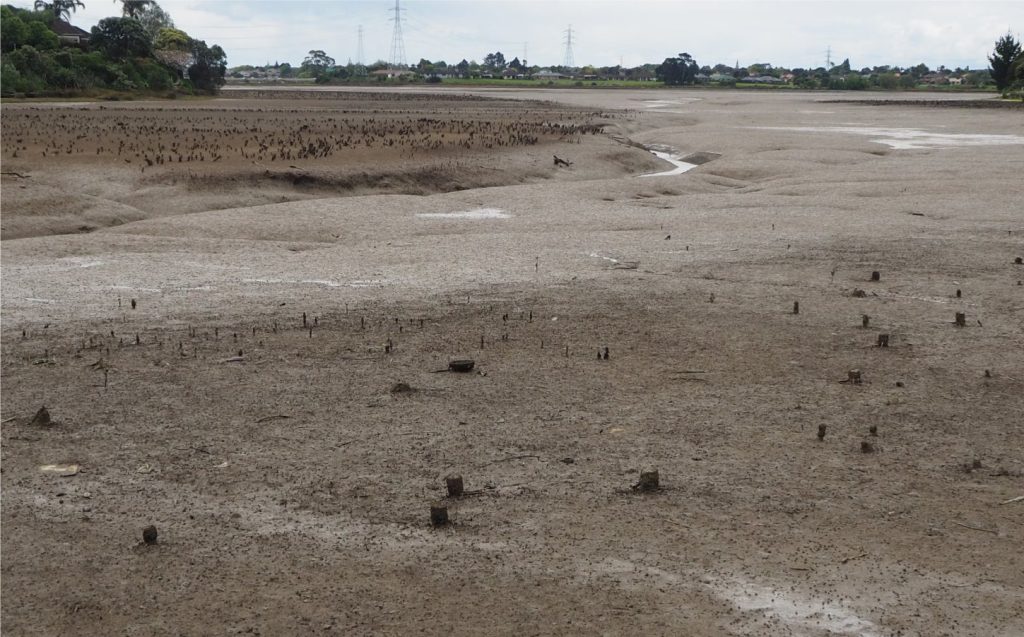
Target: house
(934,79)
(956,81)
(391,73)
(69,34)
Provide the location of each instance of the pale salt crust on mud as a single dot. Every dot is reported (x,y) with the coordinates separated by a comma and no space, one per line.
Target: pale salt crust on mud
(479,213)
(321,282)
(812,615)
(909,138)
(803,615)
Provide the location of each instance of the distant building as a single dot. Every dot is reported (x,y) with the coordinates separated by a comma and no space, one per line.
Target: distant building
(69,34)
(391,73)
(762,79)
(935,79)
(548,74)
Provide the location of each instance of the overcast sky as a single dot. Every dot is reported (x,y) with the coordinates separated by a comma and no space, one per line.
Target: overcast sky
(791,34)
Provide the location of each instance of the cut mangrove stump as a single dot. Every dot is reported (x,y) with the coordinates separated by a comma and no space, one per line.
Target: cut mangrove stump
(454,485)
(438,514)
(648,481)
(149,534)
(883,340)
(961,319)
(42,418)
(853,377)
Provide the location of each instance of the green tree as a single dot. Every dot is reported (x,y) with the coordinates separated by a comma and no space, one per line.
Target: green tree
(919,71)
(1002,61)
(494,61)
(60,9)
(134,8)
(121,38)
(317,63)
(208,69)
(888,81)
(13,30)
(41,37)
(172,39)
(153,18)
(678,71)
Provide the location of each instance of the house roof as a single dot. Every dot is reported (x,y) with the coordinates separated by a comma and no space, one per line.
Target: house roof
(392,72)
(61,27)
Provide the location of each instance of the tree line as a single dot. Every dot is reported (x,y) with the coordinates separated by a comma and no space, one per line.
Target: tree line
(140,50)
(680,70)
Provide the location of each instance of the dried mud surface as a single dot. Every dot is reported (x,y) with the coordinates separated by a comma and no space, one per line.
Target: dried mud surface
(272,402)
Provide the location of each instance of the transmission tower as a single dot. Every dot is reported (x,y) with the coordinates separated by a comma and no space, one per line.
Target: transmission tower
(568,62)
(397,58)
(359,49)
(828,59)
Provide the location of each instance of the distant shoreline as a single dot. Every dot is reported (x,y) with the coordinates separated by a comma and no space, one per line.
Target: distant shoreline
(989,103)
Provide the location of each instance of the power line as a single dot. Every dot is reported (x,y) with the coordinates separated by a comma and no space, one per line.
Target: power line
(397,57)
(568,62)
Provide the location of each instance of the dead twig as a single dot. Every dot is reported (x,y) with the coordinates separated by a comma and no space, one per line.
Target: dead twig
(1019,498)
(275,416)
(9,420)
(852,557)
(976,528)
(509,459)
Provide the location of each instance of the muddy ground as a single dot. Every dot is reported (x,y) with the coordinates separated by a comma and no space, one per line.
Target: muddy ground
(248,359)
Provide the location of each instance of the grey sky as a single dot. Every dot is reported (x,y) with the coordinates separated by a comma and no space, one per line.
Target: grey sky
(792,34)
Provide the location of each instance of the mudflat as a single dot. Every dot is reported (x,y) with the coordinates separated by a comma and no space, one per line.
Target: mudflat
(240,313)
